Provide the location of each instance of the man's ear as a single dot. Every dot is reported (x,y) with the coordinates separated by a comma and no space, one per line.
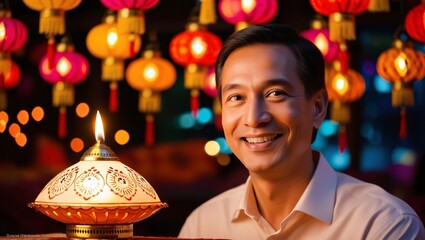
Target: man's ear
(320,101)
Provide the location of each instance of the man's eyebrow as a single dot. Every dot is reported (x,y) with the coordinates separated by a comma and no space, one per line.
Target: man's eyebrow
(270,82)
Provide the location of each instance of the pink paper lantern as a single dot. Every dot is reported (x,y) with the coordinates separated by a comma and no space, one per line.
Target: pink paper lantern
(70,67)
(243,13)
(320,37)
(13,34)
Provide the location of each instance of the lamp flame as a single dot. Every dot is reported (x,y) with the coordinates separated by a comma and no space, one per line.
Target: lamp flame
(100,135)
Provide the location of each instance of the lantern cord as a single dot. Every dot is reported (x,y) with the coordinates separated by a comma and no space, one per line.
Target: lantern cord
(342,139)
(150,130)
(403,123)
(194,102)
(51,52)
(62,122)
(113,97)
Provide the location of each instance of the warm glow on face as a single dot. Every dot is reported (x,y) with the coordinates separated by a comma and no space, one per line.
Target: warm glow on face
(340,84)
(100,135)
(198,47)
(2,31)
(63,66)
(150,73)
(112,38)
(322,43)
(401,64)
(248,5)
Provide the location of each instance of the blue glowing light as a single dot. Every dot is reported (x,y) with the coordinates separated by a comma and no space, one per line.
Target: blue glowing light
(186,120)
(205,116)
(381,85)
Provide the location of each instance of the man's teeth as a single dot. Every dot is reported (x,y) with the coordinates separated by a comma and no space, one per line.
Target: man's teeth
(260,139)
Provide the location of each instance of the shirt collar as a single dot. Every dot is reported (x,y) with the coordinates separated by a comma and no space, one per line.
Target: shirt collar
(317,200)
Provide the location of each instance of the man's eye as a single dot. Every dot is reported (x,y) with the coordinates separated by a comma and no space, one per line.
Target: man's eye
(277,93)
(235,98)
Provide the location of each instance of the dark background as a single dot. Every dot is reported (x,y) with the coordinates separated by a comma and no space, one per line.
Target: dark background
(23,170)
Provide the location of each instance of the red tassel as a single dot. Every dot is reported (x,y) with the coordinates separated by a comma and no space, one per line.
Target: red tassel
(150,130)
(132,52)
(51,52)
(403,123)
(342,139)
(217,121)
(344,58)
(113,97)
(194,102)
(2,81)
(62,122)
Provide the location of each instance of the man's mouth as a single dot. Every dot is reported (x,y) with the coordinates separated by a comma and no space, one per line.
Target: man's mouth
(256,140)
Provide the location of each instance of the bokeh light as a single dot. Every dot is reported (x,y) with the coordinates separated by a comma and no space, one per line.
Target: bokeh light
(328,128)
(186,120)
(212,148)
(403,156)
(77,145)
(4,119)
(14,129)
(21,139)
(23,117)
(122,137)
(224,148)
(381,85)
(205,116)
(223,159)
(37,113)
(82,110)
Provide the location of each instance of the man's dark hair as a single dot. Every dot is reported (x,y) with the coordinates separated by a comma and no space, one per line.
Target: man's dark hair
(310,62)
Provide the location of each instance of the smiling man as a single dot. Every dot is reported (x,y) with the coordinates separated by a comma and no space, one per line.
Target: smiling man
(271,86)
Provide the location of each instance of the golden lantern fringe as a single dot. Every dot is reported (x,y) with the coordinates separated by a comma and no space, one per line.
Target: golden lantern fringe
(5,63)
(340,112)
(52,22)
(3,100)
(402,94)
(194,76)
(62,122)
(379,6)
(63,94)
(207,13)
(112,69)
(241,25)
(150,130)
(149,101)
(342,27)
(131,21)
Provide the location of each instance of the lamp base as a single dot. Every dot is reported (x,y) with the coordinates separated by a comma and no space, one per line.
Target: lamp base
(99,231)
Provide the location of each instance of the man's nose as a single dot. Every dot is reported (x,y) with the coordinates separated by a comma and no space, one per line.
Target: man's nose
(257,113)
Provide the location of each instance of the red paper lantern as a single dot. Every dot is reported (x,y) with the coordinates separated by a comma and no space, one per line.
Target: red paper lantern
(244,13)
(150,74)
(341,16)
(52,19)
(10,80)
(196,49)
(69,69)
(131,17)
(13,36)
(401,65)
(414,23)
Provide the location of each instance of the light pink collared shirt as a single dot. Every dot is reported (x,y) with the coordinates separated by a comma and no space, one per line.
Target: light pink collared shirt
(333,206)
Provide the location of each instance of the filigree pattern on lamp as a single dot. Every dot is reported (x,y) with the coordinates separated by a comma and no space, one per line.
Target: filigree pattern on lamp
(89,183)
(62,182)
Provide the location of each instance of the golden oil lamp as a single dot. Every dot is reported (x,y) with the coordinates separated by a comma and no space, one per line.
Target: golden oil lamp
(98,197)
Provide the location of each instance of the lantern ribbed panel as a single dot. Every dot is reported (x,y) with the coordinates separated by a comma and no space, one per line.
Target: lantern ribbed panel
(415,23)
(165,79)
(16,34)
(78,72)
(233,12)
(139,4)
(39,5)
(328,7)
(355,91)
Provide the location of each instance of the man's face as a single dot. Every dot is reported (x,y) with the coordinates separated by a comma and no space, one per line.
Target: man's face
(267,120)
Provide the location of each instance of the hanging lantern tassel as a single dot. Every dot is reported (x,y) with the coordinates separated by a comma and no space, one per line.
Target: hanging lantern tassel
(217,111)
(112,69)
(113,97)
(131,21)
(403,123)
(344,58)
(340,112)
(52,22)
(3,97)
(150,130)
(194,102)
(51,52)
(379,6)
(62,122)
(342,139)
(402,94)
(132,40)
(149,101)
(342,27)
(207,14)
